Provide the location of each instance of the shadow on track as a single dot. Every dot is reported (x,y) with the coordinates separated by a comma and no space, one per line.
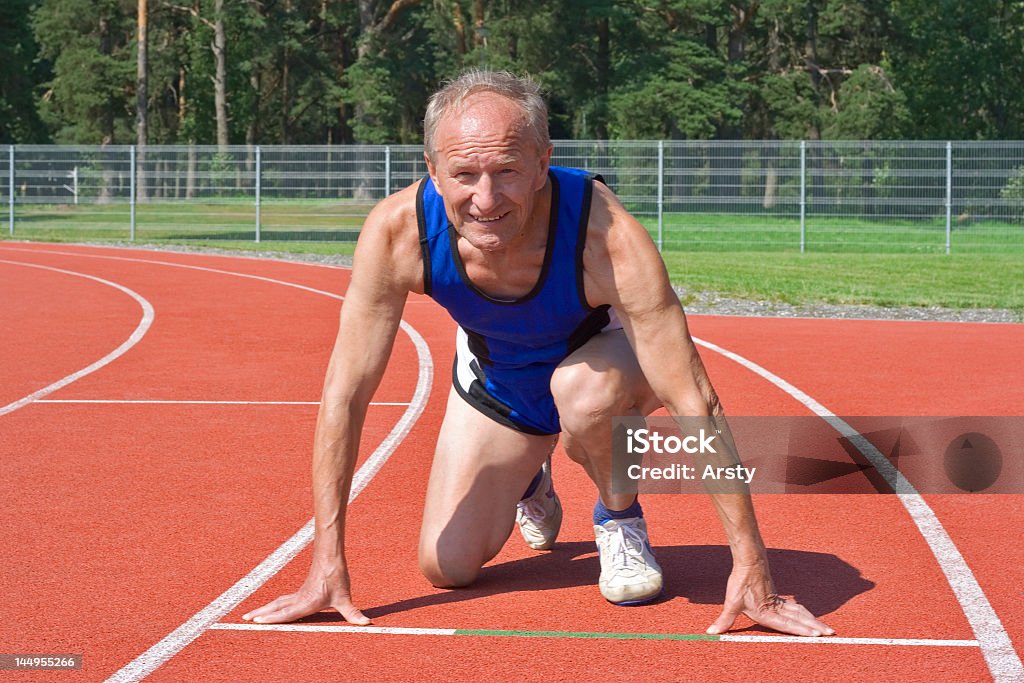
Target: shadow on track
(696,573)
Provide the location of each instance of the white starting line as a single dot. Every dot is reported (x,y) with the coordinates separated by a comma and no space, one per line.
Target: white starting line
(727,638)
(203,403)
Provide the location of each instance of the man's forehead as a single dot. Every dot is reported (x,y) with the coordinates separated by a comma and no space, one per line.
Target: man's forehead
(484,119)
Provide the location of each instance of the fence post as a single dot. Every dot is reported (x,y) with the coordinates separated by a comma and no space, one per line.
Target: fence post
(949,195)
(387,170)
(131,194)
(661,194)
(10,187)
(259,173)
(803,195)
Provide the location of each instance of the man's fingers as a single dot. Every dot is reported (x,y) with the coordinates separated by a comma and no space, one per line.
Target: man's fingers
(802,616)
(289,611)
(724,622)
(352,614)
(792,618)
(269,608)
(285,608)
(291,607)
(786,624)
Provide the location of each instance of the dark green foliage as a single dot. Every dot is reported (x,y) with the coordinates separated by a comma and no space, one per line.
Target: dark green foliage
(19,74)
(89,44)
(323,71)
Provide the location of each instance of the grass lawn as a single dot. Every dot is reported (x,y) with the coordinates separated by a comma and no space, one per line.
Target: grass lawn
(954,281)
(896,262)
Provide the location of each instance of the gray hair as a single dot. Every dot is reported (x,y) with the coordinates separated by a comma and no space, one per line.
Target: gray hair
(524,92)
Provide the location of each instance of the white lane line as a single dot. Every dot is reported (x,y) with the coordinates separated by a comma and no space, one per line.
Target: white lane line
(177,640)
(337,628)
(406,631)
(187,266)
(132,340)
(834,640)
(201,403)
(174,642)
(180,638)
(1003,661)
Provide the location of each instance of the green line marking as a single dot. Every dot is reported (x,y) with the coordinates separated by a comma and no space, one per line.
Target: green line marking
(516,633)
(583,634)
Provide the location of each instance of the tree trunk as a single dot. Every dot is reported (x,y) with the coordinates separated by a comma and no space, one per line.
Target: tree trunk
(811,49)
(479,36)
(286,98)
(253,130)
(603,77)
(727,164)
(220,97)
(771,184)
(182,113)
(460,29)
(142,99)
(373,21)
(190,173)
(815,157)
(106,117)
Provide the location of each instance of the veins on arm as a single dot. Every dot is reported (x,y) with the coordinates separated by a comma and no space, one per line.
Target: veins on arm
(623,268)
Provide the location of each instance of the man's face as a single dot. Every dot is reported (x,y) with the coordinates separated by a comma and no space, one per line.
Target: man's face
(487,167)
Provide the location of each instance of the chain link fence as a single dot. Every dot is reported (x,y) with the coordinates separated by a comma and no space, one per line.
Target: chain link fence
(892,196)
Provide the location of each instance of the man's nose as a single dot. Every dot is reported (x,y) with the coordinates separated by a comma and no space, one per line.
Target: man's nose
(486,193)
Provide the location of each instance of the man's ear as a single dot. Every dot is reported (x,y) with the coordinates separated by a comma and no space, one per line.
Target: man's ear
(545,164)
(431,168)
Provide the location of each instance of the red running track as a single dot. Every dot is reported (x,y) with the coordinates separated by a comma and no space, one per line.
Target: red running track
(128,519)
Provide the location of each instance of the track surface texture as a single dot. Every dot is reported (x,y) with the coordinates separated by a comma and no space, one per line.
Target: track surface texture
(156,420)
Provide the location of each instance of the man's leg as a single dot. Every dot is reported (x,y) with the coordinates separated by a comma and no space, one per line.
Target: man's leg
(480,471)
(600,380)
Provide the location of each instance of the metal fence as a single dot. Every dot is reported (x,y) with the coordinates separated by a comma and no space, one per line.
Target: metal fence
(716,195)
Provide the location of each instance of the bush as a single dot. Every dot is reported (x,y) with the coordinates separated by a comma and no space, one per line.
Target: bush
(1013,193)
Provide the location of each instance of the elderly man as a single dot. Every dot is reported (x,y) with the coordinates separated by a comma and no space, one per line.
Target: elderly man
(564,311)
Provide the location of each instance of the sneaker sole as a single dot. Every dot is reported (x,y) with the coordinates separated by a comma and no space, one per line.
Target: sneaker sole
(641,601)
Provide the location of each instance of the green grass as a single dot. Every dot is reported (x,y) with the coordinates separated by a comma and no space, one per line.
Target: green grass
(711,232)
(954,281)
(847,260)
(329,221)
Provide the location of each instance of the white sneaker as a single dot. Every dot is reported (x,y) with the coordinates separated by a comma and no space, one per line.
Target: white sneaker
(540,516)
(629,573)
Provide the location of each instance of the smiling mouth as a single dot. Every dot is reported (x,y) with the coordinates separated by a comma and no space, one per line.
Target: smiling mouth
(489,219)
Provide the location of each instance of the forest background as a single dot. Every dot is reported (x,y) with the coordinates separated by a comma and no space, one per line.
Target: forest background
(360,71)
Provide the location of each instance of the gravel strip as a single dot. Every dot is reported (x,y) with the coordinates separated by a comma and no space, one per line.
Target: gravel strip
(709,303)
(696,303)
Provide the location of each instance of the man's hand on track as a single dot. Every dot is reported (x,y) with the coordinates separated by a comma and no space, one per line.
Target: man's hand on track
(315,595)
(750,592)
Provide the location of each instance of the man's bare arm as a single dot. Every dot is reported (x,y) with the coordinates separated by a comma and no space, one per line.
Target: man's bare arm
(386,267)
(623,268)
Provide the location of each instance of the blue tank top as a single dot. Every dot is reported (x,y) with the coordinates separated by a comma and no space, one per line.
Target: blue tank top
(511,348)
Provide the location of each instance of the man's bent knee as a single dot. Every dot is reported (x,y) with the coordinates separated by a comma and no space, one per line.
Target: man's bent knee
(450,572)
(586,396)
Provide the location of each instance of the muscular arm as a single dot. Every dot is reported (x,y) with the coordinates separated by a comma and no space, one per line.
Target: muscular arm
(386,268)
(623,268)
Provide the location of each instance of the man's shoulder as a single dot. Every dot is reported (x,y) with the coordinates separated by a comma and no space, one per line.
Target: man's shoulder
(605,211)
(611,229)
(396,213)
(389,241)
